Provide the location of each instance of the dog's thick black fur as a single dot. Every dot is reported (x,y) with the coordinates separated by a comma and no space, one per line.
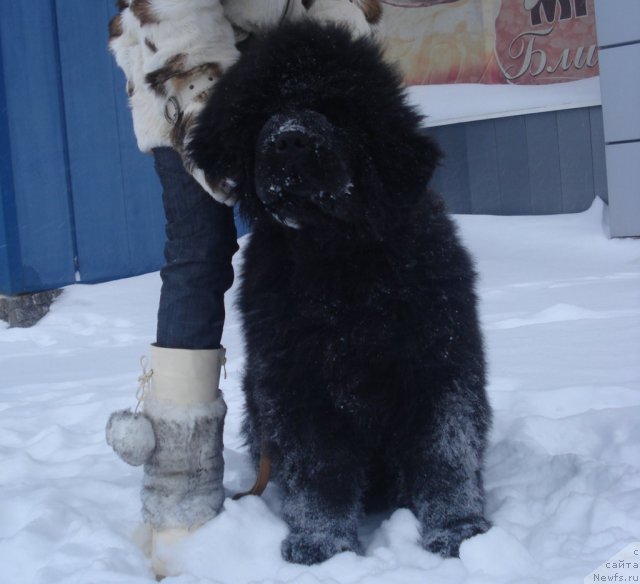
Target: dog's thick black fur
(365,374)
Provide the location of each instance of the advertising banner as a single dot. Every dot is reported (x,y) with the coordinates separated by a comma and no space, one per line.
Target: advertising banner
(529,42)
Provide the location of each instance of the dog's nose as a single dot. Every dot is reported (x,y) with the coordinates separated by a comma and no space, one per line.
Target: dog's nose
(297,156)
(292,142)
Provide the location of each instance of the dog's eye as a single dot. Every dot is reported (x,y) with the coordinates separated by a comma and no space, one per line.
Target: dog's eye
(191,86)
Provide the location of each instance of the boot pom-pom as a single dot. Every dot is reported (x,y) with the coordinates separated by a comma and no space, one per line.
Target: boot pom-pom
(131,436)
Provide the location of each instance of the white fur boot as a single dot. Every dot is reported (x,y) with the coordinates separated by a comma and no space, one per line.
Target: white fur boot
(178,438)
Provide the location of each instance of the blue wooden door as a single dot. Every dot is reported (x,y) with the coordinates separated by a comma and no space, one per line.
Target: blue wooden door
(36,227)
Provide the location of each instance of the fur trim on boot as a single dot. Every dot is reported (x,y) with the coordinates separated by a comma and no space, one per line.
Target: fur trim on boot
(182,484)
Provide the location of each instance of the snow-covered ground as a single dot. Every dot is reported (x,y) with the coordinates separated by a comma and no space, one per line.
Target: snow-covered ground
(561,313)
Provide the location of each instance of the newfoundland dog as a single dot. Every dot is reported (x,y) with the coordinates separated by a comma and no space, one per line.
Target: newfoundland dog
(365,376)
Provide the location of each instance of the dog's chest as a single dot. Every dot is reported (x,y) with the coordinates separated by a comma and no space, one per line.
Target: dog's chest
(349,303)
(332,293)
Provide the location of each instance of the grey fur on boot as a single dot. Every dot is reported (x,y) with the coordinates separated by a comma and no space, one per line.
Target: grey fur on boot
(183,477)
(181,449)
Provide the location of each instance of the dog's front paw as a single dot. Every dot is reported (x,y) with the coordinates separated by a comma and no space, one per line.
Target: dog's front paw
(446,540)
(313,548)
(227,191)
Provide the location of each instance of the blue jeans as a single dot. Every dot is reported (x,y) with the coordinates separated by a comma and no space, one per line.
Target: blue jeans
(201,240)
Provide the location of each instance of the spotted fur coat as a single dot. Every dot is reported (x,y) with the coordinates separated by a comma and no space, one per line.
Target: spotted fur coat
(173,52)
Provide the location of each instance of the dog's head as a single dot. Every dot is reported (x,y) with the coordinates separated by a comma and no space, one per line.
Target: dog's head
(311,127)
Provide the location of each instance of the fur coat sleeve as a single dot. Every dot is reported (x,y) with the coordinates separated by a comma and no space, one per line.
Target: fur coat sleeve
(173,51)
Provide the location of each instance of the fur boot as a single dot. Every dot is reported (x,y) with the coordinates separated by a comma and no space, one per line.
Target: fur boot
(178,438)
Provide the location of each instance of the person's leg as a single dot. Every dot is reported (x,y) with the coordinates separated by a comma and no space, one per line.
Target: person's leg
(183,479)
(201,239)
(178,436)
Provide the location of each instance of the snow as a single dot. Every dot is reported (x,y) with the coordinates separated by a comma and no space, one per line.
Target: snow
(560,307)
(463,102)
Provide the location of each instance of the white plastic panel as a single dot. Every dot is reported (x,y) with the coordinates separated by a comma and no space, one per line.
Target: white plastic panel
(623,177)
(617,21)
(620,88)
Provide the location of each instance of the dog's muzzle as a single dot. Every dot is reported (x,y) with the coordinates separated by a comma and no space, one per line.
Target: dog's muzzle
(298,160)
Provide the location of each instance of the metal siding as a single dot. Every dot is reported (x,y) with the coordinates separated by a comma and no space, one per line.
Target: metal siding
(452,178)
(10,258)
(36,135)
(597,153)
(576,165)
(10,261)
(544,163)
(513,167)
(9,245)
(482,161)
(6,273)
(533,164)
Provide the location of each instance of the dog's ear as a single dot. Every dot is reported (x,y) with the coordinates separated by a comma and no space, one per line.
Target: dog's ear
(402,152)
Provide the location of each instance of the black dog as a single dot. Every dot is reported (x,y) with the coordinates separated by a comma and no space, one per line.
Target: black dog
(365,372)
